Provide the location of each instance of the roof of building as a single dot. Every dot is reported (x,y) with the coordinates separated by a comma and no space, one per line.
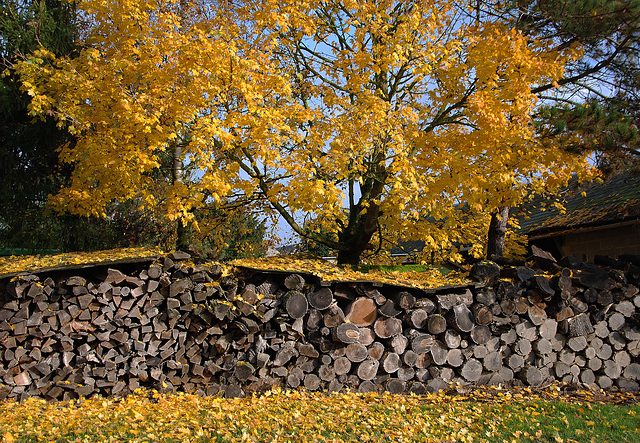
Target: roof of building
(603,202)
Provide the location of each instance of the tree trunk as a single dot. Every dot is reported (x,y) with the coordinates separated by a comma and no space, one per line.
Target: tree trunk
(356,237)
(362,225)
(183,235)
(497,232)
(351,256)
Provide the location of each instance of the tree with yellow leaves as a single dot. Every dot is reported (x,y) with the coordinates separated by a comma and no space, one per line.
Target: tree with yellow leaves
(381,120)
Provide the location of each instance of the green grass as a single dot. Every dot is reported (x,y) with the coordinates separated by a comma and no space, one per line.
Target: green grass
(394,268)
(554,421)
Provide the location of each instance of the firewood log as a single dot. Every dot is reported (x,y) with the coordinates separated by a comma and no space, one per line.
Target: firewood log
(532,376)
(405,300)
(387,327)
(452,338)
(342,365)
(326,373)
(321,299)
(472,370)
(436,324)
(367,336)
(346,333)
(311,382)
(294,282)
(422,343)
(395,386)
(480,334)
(493,361)
(537,314)
(482,315)
(578,343)
(296,304)
(361,312)
(368,369)
(391,363)
(410,358)
(356,352)
(376,351)
(399,343)
(461,318)
(389,309)
(417,318)
(439,353)
(455,357)
(333,316)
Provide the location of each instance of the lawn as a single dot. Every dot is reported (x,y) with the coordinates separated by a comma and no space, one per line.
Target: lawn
(489,415)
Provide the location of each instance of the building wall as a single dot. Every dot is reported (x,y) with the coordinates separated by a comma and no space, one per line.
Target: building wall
(611,241)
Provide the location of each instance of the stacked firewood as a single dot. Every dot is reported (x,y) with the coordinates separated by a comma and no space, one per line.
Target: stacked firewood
(176,325)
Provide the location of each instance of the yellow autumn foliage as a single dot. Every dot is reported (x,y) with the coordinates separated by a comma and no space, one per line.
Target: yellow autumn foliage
(427,279)
(380,118)
(27,263)
(431,278)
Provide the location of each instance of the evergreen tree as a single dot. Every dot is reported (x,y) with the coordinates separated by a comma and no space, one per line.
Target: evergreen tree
(28,157)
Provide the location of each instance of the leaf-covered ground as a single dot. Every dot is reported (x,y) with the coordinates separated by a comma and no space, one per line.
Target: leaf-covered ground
(28,263)
(430,278)
(425,279)
(490,415)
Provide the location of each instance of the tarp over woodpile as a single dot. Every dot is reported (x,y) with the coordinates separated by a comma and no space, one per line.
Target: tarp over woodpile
(15,265)
(325,271)
(431,279)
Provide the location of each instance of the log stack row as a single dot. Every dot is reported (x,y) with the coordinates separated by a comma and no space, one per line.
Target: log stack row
(176,325)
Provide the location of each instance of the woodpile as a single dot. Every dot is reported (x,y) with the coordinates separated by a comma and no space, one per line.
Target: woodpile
(176,325)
